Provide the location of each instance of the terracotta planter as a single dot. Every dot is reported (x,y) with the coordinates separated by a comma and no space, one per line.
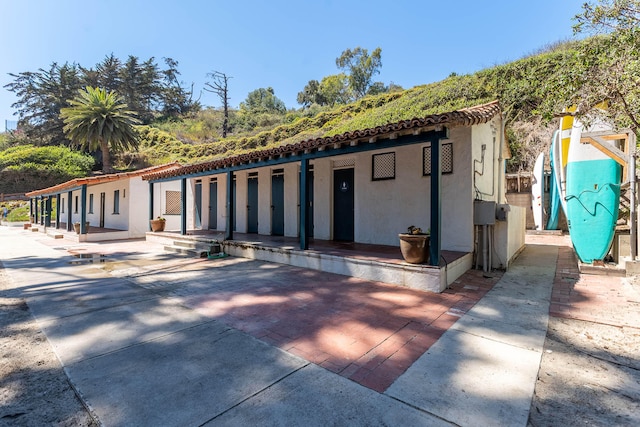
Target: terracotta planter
(414,247)
(76,227)
(157,225)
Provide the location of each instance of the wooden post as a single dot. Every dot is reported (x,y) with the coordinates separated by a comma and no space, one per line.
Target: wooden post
(230,207)
(183,206)
(304,204)
(150,203)
(435,246)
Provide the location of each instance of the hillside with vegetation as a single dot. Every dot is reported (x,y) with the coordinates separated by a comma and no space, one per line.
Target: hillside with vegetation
(533,91)
(523,88)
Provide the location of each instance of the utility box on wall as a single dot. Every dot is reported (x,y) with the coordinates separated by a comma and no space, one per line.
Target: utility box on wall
(501,212)
(484,213)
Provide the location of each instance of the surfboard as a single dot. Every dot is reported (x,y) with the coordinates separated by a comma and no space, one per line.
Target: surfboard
(537,192)
(557,171)
(592,196)
(566,125)
(554,184)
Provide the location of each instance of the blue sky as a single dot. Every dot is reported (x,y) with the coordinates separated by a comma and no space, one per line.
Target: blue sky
(278,43)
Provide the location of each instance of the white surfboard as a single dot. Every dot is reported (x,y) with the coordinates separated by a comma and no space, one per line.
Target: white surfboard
(537,192)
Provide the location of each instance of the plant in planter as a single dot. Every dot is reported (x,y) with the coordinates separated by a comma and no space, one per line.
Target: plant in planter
(158,224)
(414,245)
(76,226)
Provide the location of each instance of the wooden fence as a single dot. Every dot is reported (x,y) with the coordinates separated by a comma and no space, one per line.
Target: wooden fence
(12,196)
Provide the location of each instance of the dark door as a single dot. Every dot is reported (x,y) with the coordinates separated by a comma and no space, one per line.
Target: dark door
(252,204)
(102,207)
(343,205)
(277,203)
(310,211)
(213,205)
(198,211)
(235,205)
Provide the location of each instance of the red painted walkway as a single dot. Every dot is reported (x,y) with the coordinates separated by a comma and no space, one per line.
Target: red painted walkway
(365,331)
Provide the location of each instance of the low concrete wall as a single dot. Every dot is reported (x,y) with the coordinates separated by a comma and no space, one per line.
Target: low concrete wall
(509,237)
(423,277)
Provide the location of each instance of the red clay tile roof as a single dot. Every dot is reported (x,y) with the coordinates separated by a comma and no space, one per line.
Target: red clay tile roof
(98,179)
(465,117)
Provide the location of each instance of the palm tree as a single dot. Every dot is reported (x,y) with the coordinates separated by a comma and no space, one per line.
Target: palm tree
(97,119)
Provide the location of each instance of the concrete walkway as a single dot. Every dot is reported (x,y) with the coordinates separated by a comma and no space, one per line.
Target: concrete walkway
(141,350)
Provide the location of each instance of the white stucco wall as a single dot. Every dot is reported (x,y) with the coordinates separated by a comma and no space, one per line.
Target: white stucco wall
(160,203)
(509,237)
(322,201)
(222,201)
(241,201)
(116,220)
(385,208)
(291,199)
(486,168)
(138,205)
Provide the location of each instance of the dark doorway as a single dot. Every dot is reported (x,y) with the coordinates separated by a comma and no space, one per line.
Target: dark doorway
(102,208)
(277,203)
(343,205)
(213,204)
(252,203)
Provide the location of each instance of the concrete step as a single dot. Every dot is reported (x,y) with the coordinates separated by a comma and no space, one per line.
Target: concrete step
(55,234)
(193,248)
(188,244)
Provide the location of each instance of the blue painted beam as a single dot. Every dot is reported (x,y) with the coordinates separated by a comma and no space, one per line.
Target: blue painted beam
(327,152)
(58,199)
(435,244)
(69,211)
(183,206)
(228,235)
(83,209)
(151,216)
(304,204)
(41,210)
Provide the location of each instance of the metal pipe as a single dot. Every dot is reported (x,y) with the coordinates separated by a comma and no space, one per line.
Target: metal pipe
(484,247)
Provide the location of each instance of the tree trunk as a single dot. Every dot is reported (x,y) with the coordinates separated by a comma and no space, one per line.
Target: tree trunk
(106,157)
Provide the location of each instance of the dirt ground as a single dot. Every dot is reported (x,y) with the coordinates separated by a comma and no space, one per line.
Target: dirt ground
(34,390)
(589,373)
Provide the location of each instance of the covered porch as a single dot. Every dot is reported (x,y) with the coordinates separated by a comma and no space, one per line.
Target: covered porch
(365,261)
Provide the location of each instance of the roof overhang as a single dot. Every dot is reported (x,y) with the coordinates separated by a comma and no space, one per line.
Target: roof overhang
(395,134)
(77,183)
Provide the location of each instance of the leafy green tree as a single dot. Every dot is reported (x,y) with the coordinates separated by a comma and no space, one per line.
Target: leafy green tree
(148,90)
(335,89)
(107,74)
(332,90)
(27,167)
(97,119)
(263,101)
(176,100)
(41,95)
(311,95)
(606,68)
(360,68)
